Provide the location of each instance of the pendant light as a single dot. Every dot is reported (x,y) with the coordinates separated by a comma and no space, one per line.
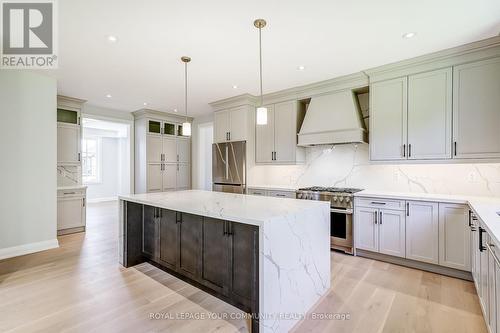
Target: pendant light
(261,110)
(186,126)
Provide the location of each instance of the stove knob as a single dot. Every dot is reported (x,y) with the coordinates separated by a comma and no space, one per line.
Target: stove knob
(334,198)
(341,199)
(347,200)
(299,195)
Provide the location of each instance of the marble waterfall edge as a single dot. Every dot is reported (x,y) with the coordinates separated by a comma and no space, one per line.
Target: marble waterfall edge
(295,260)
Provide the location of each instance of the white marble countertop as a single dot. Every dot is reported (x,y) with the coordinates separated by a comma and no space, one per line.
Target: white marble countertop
(242,208)
(274,187)
(72,187)
(485,208)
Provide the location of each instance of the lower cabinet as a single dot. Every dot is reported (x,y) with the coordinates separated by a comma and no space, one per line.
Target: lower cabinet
(422,231)
(71,211)
(221,255)
(380,230)
(454,236)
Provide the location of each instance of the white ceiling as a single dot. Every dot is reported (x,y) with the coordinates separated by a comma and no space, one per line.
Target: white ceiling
(330,38)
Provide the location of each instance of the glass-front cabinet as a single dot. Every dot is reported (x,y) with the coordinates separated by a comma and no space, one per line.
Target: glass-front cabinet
(169,129)
(161,128)
(67,116)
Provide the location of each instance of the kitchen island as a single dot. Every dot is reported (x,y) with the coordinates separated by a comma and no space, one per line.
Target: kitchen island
(269,257)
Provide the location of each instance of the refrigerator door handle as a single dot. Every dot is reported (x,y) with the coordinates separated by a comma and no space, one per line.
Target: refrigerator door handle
(227,162)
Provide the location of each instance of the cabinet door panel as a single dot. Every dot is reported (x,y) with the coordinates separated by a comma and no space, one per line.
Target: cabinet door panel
(264,139)
(388,119)
(285,131)
(154,178)
(422,228)
(497,295)
(429,115)
(168,238)
(221,126)
(365,229)
(189,244)
(169,177)
(483,271)
(476,117)
(244,240)
(492,306)
(392,233)
(68,143)
(214,262)
(170,149)
(183,176)
(184,150)
(153,148)
(70,213)
(238,124)
(454,236)
(149,233)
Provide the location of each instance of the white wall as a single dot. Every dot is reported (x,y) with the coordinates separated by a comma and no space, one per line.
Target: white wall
(28,150)
(197,182)
(349,166)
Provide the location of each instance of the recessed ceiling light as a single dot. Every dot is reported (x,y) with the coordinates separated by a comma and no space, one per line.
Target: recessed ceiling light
(108,96)
(175,110)
(300,68)
(235,87)
(112,39)
(409,35)
(145,103)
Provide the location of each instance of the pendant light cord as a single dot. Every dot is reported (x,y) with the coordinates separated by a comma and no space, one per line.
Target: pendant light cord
(260,58)
(186,89)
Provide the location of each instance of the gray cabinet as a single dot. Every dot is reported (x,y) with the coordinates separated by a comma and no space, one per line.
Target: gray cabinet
(168,238)
(422,231)
(379,229)
(388,119)
(476,115)
(231,124)
(276,142)
(411,117)
(454,236)
(429,115)
(150,236)
(190,227)
(214,270)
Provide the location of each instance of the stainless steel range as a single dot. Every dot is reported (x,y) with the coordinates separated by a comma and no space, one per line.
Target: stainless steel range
(341,212)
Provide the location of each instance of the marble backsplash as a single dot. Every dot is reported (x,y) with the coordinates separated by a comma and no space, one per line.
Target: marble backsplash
(349,166)
(68,175)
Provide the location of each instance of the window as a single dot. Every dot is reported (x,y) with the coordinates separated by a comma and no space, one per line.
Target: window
(90,160)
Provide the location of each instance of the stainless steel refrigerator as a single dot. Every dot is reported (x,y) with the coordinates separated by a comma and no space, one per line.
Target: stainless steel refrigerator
(229,167)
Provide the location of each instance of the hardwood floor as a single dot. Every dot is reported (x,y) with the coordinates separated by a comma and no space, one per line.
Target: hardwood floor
(80,287)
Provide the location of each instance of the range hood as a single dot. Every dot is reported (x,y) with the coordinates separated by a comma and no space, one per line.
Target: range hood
(333,119)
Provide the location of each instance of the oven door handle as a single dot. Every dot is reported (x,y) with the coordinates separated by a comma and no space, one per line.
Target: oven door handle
(341,211)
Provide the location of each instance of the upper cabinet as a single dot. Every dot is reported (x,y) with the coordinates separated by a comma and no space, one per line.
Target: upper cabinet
(276,142)
(69,130)
(476,109)
(231,125)
(411,117)
(388,119)
(429,115)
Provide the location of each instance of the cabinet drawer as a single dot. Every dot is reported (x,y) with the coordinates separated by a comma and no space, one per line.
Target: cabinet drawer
(255,191)
(71,193)
(380,203)
(281,194)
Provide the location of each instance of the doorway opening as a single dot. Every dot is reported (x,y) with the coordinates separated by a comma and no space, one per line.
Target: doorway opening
(205,139)
(106,159)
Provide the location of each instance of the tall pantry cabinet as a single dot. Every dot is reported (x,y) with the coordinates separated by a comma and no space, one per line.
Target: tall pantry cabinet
(162,152)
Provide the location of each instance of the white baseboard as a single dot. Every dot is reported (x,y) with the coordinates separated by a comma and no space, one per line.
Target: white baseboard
(96,200)
(20,250)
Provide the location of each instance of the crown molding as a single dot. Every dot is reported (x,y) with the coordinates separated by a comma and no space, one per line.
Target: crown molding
(475,51)
(231,102)
(165,116)
(70,103)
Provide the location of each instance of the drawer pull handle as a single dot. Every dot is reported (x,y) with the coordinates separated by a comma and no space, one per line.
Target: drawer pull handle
(378,203)
(67,193)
